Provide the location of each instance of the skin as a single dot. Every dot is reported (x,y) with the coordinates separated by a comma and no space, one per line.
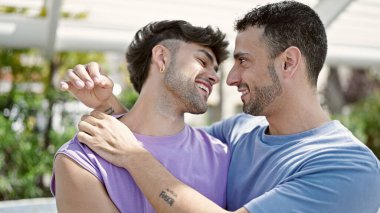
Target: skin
(291,108)
(250,74)
(78,190)
(192,66)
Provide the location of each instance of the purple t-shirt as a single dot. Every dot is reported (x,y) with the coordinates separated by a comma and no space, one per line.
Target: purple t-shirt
(194,157)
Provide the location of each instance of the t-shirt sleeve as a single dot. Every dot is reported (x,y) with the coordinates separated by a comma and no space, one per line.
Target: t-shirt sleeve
(324,186)
(219,130)
(230,130)
(82,155)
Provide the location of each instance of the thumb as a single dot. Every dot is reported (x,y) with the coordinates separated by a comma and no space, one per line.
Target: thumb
(105,82)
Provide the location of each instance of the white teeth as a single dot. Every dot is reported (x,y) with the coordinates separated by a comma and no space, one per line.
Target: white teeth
(244,92)
(201,86)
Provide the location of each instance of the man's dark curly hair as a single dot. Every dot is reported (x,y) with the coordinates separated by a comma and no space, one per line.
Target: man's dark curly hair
(290,23)
(139,52)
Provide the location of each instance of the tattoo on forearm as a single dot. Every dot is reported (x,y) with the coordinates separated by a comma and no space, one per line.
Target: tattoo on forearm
(109,111)
(168,196)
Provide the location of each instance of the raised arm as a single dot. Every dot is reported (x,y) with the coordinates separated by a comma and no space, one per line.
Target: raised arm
(92,88)
(77,190)
(112,140)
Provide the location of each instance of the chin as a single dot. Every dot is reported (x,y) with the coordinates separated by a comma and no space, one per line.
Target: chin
(252,110)
(198,110)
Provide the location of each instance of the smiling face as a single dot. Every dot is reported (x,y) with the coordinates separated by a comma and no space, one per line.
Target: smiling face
(191,75)
(254,73)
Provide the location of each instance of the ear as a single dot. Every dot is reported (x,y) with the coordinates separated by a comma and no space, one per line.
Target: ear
(290,59)
(160,56)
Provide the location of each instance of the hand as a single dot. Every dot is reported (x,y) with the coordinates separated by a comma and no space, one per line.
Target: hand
(108,137)
(88,85)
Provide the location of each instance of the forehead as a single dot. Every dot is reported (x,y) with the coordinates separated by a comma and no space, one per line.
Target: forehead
(191,47)
(250,40)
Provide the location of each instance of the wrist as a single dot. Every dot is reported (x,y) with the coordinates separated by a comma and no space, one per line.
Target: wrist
(107,106)
(112,106)
(134,160)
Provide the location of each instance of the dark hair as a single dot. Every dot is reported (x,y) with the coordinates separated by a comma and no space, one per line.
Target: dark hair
(139,52)
(290,23)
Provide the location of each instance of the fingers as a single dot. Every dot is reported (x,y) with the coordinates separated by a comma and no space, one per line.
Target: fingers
(85,138)
(81,72)
(99,115)
(86,127)
(85,76)
(90,119)
(94,72)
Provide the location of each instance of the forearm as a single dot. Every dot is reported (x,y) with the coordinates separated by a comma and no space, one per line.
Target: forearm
(165,192)
(112,107)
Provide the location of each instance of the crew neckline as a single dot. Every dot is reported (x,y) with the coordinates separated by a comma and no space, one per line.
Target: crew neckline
(167,139)
(283,139)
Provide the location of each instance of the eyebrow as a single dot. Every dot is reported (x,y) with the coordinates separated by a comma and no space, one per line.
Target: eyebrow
(237,55)
(208,55)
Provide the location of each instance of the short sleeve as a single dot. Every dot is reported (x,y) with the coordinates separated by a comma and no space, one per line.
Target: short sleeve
(230,130)
(82,155)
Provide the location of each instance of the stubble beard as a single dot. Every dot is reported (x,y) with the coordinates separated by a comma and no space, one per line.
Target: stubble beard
(184,90)
(263,96)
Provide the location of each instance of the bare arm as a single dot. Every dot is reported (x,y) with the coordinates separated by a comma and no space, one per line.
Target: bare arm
(112,140)
(164,191)
(78,190)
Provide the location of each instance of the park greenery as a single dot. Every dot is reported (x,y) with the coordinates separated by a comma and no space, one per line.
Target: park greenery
(29,100)
(27,111)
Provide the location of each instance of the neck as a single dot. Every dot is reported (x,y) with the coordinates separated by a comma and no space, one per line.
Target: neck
(297,114)
(155,115)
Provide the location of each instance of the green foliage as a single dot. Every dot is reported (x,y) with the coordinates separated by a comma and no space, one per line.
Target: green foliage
(28,141)
(28,146)
(26,159)
(128,97)
(364,121)
(13,10)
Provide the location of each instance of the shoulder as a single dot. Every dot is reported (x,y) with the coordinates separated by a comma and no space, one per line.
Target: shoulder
(342,144)
(243,120)
(233,129)
(68,176)
(75,153)
(208,140)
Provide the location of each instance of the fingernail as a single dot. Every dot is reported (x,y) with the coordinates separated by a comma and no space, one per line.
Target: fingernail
(89,84)
(96,79)
(62,86)
(79,83)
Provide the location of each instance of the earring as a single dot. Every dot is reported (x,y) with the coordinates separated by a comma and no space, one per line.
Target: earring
(162,69)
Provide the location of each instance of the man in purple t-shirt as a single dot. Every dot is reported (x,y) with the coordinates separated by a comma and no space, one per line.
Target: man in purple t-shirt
(173,66)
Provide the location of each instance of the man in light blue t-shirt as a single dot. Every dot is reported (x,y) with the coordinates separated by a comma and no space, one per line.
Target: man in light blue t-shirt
(295,159)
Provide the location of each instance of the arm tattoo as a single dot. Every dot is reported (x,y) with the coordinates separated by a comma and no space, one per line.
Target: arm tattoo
(109,111)
(168,196)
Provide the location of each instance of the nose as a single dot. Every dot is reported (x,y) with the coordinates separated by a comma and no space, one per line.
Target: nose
(213,77)
(233,78)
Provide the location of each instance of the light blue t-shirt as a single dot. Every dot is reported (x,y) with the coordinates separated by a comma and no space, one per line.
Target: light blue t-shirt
(325,169)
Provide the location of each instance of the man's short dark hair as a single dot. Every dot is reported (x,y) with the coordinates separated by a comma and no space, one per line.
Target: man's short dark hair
(290,23)
(139,52)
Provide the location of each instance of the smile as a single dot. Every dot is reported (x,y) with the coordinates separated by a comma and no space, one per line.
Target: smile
(204,88)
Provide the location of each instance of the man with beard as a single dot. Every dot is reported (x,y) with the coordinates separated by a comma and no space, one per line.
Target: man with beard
(295,160)
(173,65)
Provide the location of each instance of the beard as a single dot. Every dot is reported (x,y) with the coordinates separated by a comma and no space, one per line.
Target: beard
(263,96)
(184,90)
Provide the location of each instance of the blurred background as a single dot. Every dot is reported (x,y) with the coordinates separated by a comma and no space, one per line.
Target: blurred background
(41,39)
